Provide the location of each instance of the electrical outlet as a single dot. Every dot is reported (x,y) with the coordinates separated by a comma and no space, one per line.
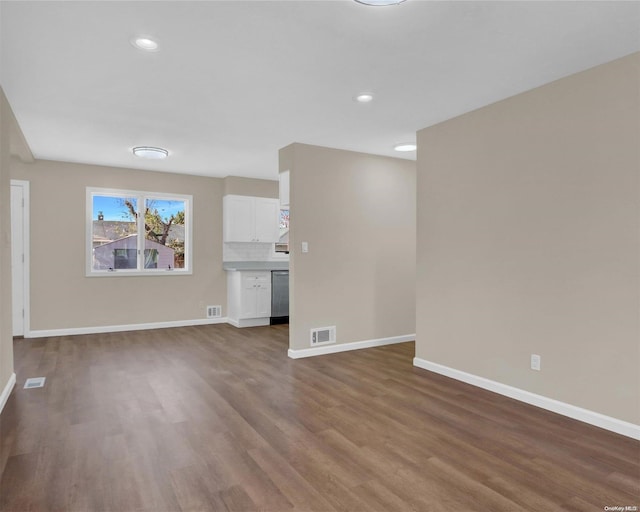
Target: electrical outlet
(535,362)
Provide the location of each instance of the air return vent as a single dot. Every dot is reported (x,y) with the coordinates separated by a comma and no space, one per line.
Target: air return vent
(214,311)
(323,335)
(34,382)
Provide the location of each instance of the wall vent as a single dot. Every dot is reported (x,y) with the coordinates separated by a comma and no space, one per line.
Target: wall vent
(34,382)
(214,311)
(323,335)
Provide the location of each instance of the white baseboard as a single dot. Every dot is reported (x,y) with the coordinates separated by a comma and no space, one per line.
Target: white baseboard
(593,418)
(7,391)
(249,322)
(345,347)
(119,328)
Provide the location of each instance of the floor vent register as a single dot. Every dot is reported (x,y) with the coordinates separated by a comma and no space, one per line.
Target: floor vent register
(34,382)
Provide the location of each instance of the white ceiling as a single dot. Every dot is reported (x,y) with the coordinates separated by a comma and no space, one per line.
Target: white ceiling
(234,81)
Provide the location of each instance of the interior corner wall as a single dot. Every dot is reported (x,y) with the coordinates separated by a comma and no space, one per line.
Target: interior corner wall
(6,334)
(63,298)
(528,241)
(357,213)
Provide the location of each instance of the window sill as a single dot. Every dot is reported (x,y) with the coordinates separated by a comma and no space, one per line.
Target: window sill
(135,273)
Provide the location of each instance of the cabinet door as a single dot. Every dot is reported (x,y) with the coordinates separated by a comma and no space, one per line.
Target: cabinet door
(248,299)
(263,295)
(239,219)
(267,215)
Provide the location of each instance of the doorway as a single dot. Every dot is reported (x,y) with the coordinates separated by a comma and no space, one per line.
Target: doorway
(20,256)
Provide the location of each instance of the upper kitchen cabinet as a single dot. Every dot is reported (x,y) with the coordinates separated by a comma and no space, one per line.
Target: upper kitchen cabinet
(283,182)
(251,219)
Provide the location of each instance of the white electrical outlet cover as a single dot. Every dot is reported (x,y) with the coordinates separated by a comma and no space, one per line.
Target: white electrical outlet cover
(535,362)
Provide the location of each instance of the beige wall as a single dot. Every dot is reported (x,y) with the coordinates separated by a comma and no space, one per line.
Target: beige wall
(357,212)
(234,185)
(6,337)
(528,241)
(62,297)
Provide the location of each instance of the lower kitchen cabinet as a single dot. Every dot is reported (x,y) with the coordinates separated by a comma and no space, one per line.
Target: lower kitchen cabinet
(249,298)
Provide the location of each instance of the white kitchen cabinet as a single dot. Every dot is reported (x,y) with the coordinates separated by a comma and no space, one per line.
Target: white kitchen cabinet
(251,219)
(267,225)
(249,298)
(239,218)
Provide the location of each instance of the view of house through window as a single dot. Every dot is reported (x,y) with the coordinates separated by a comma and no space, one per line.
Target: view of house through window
(118,219)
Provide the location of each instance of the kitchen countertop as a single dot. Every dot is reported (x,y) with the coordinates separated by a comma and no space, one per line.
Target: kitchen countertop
(255,265)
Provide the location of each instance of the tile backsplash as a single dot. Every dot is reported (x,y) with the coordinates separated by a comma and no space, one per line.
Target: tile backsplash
(244,251)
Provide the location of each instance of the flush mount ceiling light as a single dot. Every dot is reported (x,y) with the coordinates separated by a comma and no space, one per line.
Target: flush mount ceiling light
(364,97)
(145,43)
(150,153)
(380,2)
(405,147)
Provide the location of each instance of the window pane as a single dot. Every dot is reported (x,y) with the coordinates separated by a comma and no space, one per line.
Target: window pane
(284,220)
(164,224)
(125,258)
(114,232)
(150,258)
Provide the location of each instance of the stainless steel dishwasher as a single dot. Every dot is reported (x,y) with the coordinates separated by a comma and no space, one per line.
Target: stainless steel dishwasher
(279,297)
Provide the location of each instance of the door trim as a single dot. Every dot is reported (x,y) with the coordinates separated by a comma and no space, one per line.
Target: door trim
(26,250)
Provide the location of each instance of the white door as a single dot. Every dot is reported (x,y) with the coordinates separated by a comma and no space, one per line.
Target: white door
(19,198)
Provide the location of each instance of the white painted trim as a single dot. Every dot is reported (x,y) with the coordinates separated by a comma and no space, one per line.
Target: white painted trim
(26,247)
(45,333)
(593,418)
(7,391)
(345,347)
(249,322)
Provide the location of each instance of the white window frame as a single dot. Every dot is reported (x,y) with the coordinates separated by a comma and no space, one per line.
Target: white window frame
(141,197)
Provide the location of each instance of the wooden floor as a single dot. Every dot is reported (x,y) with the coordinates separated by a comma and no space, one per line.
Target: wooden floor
(217,418)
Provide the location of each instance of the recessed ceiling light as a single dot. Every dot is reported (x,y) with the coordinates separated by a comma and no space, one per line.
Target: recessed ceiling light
(364,97)
(379,2)
(405,147)
(145,43)
(151,153)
